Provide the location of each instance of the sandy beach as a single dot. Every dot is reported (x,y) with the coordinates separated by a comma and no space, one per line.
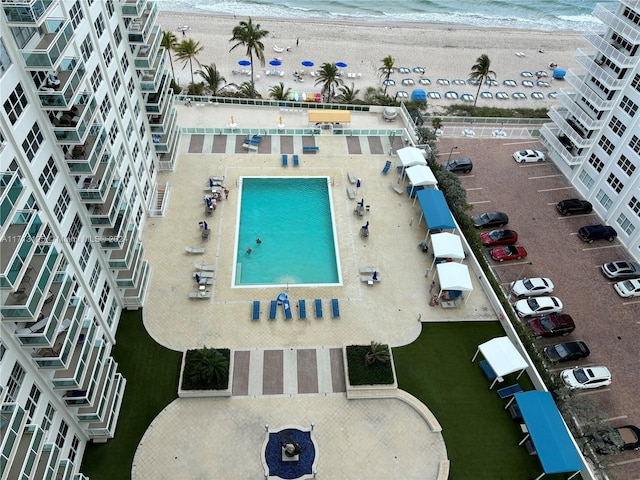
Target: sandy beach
(445,52)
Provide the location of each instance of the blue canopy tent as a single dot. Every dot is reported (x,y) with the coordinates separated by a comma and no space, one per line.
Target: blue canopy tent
(435,210)
(559,73)
(548,433)
(419,95)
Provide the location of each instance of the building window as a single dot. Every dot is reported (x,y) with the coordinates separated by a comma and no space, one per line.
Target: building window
(32,401)
(95,274)
(47,420)
(129,128)
(105,106)
(99,25)
(604,199)
(86,48)
(136,109)
(14,383)
(32,143)
(15,104)
(139,216)
(85,255)
(5,59)
(625,224)
(606,145)
(615,183)
(626,165)
(130,88)
(117,35)
(76,15)
(74,231)
(109,5)
(104,297)
(140,171)
(115,83)
(125,64)
(596,162)
(586,180)
(135,152)
(3,350)
(635,83)
(113,133)
(48,175)
(62,434)
(635,144)
(107,55)
(123,107)
(73,450)
(145,192)
(634,204)
(628,106)
(126,178)
(617,126)
(96,79)
(62,204)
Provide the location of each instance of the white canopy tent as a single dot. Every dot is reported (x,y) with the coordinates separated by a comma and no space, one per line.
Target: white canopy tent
(446,245)
(410,156)
(503,357)
(420,176)
(454,276)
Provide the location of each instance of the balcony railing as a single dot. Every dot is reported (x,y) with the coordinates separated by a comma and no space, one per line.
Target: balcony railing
(73,376)
(140,28)
(59,355)
(27,452)
(617,54)
(618,24)
(549,137)
(146,54)
(94,189)
(135,297)
(51,47)
(105,214)
(86,157)
(13,419)
(58,90)
(132,8)
(581,88)
(121,259)
(570,128)
(18,244)
(22,13)
(75,125)
(10,190)
(581,115)
(106,429)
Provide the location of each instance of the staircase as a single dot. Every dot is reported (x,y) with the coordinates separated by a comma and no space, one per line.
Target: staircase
(160,200)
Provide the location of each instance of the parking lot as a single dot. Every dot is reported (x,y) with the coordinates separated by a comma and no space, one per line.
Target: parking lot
(609,325)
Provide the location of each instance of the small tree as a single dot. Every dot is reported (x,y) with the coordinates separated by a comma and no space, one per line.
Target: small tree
(436,122)
(386,70)
(348,94)
(250,35)
(378,353)
(187,51)
(279,92)
(212,77)
(481,72)
(208,367)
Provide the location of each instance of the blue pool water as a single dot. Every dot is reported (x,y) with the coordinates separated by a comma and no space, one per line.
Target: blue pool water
(293,218)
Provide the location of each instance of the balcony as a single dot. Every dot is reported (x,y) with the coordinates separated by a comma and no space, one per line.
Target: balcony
(18,244)
(13,419)
(74,125)
(102,431)
(93,189)
(59,355)
(122,258)
(104,390)
(618,24)
(146,54)
(80,396)
(86,157)
(132,8)
(51,45)
(597,71)
(135,297)
(65,470)
(581,88)
(156,102)
(48,461)
(130,278)
(10,190)
(28,450)
(60,88)
(565,150)
(167,161)
(106,213)
(139,28)
(585,119)
(27,300)
(150,78)
(115,237)
(73,376)
(570,128)
(27,13)
(611,50)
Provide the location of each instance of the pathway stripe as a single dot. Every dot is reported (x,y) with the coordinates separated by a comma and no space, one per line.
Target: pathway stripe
(241,372)
(307,363)
(337,371)
(196,143)
(272,374)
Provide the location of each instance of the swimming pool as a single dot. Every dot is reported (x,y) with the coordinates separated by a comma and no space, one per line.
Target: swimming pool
(293,218)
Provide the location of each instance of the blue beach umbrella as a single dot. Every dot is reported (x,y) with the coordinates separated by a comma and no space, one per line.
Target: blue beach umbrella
(275,63)
(244,63)
(307,63)
(341,65)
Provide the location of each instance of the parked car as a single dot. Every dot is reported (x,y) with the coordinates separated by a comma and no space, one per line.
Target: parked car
(589,233)
(459,165)
(527,156)
(510,252)
(621,270)
(490,219)
(586,378)
(528,287)
(538,306)
(563,352)
(551,325)
(616,440)
(574,206)
(628,288)
(498,237)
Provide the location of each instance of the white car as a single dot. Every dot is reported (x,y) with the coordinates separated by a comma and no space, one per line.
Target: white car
(538,306)
(588,377)
(528,287)
(628,288)
(527,156)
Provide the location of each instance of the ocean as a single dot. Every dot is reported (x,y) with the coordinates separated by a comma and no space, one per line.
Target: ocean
(545,15)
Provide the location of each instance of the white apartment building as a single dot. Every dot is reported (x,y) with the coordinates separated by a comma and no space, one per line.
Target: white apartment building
(87,120)
(595,137)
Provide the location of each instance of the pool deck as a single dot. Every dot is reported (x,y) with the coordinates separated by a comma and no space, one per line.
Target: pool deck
(198,438)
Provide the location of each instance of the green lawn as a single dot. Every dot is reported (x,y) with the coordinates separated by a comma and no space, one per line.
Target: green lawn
(481,439)
(152,374)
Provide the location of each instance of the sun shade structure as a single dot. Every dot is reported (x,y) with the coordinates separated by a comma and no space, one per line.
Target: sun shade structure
(330,116)
(548,433)
(501,354)
(454,276)
(410,156)
(420,176)
(435,210)
(446,245)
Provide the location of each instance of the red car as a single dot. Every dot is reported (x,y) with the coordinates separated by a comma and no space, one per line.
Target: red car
(551,325)
(498,237)
(510,252)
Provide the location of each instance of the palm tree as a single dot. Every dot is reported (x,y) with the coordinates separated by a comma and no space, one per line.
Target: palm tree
(208,367)
(278,92)
(249,35)
(328,77)
(169,42)
(348,94)
(248,90)
(186,51)
(481,72)
(378,352)
(212,78)
(386,70)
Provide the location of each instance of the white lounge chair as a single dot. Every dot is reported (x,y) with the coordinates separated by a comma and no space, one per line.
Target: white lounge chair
(206,267)
(351,177)
(194,250)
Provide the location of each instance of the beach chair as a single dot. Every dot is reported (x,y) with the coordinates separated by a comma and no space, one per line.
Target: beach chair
(397,188)
(255,313)
(302,309)
(351,193)
(205,267)
(318,307)
(285,161)
(195,250)
(273,309)
(335,308)
(351,177)
(286,306)
(296,161)
(386,168)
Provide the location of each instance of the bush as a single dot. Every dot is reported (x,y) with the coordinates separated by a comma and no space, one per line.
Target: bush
(464,110)
(206,369)
(379,373)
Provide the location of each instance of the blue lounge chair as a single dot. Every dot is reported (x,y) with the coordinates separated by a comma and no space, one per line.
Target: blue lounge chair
(335,308)
(386,168)
(286,306)
(318,304)
(285,161)
(272,310)
(302,309)
(256,310)
(296,161)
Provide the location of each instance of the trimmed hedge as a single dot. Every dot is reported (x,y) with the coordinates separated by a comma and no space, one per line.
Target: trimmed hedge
(361,374)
